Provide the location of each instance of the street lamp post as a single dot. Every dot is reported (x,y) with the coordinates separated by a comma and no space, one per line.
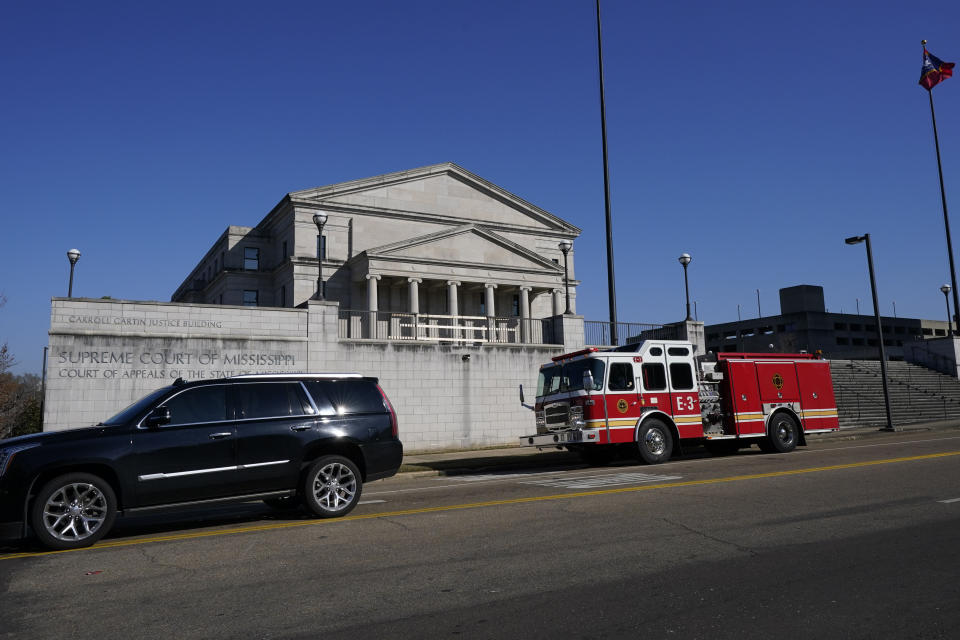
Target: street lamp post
(685,260)
(565,246)
(319,219)
(876,317)
(945,289)
(73,255)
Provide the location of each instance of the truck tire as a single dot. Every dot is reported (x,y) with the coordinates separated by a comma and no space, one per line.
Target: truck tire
(782,434)
(73,511)
(654,441)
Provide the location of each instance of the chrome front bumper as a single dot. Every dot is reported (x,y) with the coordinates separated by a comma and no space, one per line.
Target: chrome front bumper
(560,438)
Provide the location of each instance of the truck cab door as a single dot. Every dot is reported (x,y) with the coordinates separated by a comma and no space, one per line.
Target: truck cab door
(684,395)
(622,399)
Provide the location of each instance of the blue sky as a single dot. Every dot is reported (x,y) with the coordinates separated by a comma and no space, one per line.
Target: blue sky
(753,135)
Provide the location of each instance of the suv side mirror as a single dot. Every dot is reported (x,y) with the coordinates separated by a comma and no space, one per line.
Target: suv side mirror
(158,417)
(588,381)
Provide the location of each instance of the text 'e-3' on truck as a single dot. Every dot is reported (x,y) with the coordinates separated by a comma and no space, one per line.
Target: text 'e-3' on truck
(654,397)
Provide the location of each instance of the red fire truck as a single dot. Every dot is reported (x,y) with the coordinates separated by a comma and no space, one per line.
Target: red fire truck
(655,396)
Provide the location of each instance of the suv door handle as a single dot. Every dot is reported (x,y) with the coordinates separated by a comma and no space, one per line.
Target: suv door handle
(301,427)
(222,434)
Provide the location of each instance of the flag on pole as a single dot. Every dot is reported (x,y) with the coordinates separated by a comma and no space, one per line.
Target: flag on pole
(934,70)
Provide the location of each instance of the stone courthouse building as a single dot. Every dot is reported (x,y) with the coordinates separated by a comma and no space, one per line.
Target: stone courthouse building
(435,241)
(447,287)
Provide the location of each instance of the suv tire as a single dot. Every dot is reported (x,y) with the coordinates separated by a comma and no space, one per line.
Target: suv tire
(332,486)
(73,511)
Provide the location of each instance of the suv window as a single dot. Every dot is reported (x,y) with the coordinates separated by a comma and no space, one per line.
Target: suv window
(203,404)
(270,400)
(345,396)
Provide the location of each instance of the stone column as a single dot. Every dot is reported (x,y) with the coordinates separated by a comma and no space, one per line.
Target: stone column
(415,306)
(489,303)
(453,308)
(524,314)
(372,280)
(558,302)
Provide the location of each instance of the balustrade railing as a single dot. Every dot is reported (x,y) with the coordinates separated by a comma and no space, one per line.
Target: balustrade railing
(424,327)
(598,334)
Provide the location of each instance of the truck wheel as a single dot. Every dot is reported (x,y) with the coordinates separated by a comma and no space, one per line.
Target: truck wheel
(654,441)
(73,511)
(332,487)
(782,434)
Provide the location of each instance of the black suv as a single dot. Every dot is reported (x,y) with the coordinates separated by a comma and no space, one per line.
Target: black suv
(312,438)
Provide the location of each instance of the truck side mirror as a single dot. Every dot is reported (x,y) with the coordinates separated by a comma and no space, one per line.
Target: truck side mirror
(158,417)
(588,381)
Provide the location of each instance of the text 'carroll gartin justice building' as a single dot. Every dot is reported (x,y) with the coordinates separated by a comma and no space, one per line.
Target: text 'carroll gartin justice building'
(434,241)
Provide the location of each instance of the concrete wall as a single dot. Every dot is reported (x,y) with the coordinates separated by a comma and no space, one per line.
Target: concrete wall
(105,354)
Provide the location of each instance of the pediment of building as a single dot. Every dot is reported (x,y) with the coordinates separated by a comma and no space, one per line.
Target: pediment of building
(465,246)
(445,191)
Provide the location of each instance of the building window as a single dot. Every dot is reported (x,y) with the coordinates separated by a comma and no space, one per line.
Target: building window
(482,303)
(899,330)
(839,326)
(284,250)
(322,247)
(221,298)
(939,332)
(858,342)
(872,328)
(855,327)
(555,261)
(251,259)
(283,295)
(515,306)
(927,331)
(843,341)
(250,298)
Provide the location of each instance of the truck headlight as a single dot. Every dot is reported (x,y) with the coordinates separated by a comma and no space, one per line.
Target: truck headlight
(575,418)
(7,453)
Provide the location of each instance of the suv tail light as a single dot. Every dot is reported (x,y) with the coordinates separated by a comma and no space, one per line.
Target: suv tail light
(394,427)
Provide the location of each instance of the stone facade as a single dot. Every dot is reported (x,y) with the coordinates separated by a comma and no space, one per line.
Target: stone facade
(105,354)
(437,241)
(445,286)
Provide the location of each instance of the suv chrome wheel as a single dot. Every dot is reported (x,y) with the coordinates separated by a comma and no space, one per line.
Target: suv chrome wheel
(73,511)
(333,486)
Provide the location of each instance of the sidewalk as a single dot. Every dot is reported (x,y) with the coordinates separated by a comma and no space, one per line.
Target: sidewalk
(514,458)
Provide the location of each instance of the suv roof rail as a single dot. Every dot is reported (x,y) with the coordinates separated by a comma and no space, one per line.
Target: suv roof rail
(249,376)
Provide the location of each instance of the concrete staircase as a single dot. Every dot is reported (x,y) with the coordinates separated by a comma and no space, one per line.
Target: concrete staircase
(917,394)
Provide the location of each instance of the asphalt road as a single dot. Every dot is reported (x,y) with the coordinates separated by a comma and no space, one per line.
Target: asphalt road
(840,539)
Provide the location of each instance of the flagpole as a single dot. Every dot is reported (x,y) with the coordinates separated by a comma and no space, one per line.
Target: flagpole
(946,217)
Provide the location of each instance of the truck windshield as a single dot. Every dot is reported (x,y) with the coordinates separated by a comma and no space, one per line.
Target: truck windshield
(569,377)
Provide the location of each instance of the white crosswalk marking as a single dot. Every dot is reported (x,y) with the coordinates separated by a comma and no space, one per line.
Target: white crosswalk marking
(591,482)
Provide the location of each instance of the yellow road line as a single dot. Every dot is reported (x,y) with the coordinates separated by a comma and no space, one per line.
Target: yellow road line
(478,505)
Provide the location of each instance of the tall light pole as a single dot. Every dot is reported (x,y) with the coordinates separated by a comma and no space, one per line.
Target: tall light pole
(611,284)
(876,317)
(685,260)
(945,289)
(759,315)
(73,255)
(565,246)
(319,219)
